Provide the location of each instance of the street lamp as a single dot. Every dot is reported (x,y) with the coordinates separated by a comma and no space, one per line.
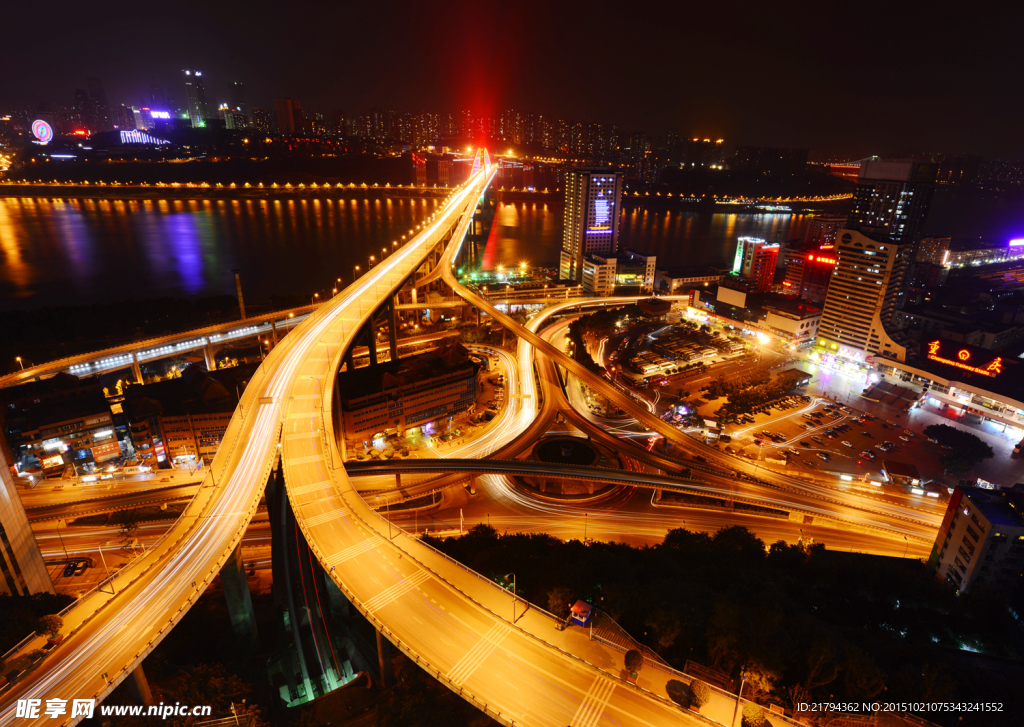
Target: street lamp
(105,542)
(20,362)
(514,597)
(355,273)
(739,695)
(313,299)
(62,540)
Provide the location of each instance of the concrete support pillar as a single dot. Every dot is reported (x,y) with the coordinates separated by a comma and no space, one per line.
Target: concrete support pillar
(349,363)
(384,659)
(657,495)
(211,361)
(238,292)
(371,341)
(393,328)
(138,685)
(236,592)
(478,316)
(414,296)
(273,331)
(398,480)
(136,369)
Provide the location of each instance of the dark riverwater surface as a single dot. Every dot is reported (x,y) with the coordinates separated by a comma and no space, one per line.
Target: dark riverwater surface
(79,252)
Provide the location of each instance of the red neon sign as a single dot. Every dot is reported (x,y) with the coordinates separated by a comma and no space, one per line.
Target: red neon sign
(994,368)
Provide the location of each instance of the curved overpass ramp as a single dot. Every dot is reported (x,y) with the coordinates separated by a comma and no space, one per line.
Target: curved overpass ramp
(111,630)
(460,627)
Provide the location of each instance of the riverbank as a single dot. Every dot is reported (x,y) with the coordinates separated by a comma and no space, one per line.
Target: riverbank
(204,191)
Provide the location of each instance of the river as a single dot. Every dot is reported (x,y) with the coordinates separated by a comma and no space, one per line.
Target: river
(57,252)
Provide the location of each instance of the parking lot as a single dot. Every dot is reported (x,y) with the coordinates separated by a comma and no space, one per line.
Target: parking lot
(830,438)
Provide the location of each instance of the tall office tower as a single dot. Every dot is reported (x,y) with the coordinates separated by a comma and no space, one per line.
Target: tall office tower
(237,102)
(157,100)
(289,116)
(195,97)
(99,100)
(701,153)
(891,200)
(822,230)
(933,250)
(124,116)
(755,260)
(84,110)
(261,119)
(861,299)
(591,218)
(809,271)
(22,570)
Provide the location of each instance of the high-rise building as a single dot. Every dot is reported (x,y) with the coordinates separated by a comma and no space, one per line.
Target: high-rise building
(195,97)
(700,153)
(809,271)
(822,230)
(591,218)
(22,570)
(289,116)
(981,539)
(262,120)
(891,200)
(237,102)
(98,96)
(933,250)
(755,261)
(861,300)
(770,160)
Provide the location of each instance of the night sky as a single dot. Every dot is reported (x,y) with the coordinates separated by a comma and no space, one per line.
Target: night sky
(840,78)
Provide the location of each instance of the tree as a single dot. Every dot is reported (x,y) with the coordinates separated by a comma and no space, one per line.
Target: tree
(634,661)
(966,449)
(753,715)
(560,600)
(50,625)
(128,520)
(861,676)
(666,627)
(700,693)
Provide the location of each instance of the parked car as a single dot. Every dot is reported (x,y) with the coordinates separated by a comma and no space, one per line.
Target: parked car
(823,456)
(847,444)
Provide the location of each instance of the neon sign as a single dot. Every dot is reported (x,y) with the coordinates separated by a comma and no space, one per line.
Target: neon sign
(993,369)
(138,137)
(42,131)
(602,216)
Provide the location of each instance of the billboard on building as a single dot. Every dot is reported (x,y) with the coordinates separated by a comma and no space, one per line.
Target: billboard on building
(733,297)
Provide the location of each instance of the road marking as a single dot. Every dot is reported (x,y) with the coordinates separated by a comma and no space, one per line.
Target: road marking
(593,704)
(396,591)
(294,461)
(351,552)
(468,664)
(325,517)
(305,396)
(300,435)
(311,487)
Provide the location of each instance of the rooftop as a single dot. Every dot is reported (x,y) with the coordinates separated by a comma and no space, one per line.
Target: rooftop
(405,372)
(901,469)
(995,371)
(1000,507)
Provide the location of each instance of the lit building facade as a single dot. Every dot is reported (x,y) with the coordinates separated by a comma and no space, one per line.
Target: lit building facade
(809,271)
(591,218)
(755,260)
(22,570)
(822,230)
(861,299)
(891,200)
(195,96)
(599,274)
(981,539)
(393,397)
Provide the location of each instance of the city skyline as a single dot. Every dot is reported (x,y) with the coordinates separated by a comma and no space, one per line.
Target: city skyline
(683,71)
